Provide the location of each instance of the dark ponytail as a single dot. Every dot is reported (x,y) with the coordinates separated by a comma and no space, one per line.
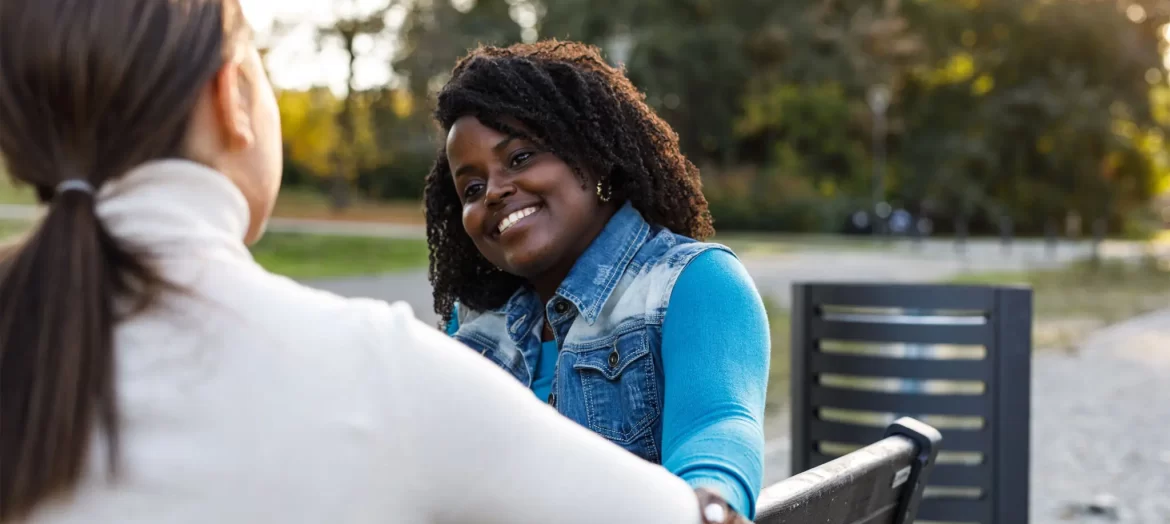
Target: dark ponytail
(88,91)
(57,318)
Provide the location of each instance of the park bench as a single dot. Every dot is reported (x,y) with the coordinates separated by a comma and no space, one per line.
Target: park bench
(879,484)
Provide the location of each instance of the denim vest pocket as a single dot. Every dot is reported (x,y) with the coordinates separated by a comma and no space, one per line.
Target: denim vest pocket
(619,384)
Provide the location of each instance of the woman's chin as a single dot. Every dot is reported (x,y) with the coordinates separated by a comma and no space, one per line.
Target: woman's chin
(526,263)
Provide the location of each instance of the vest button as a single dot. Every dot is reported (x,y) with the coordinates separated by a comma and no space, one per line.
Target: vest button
(560,307)
(552,399)
(614,358)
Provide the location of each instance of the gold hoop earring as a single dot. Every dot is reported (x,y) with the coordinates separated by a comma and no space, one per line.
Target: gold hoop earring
(603,195)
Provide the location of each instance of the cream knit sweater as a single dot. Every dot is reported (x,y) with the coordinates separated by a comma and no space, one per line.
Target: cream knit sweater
(254,399)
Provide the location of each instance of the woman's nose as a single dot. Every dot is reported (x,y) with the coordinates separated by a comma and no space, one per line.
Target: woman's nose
(498,190)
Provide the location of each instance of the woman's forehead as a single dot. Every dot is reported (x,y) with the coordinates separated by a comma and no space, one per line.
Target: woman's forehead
(469,131)
(485,130)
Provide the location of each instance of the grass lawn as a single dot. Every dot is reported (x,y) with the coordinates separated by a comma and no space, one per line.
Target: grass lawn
(779,374)
(1071,302)
(292,203)
(10,194)
(11,228)
(302,203)
(306,256)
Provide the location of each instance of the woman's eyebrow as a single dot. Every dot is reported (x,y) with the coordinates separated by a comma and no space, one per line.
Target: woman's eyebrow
(464,170)
(504,143)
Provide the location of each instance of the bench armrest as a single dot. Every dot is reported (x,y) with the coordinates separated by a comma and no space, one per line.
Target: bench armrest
(927,440)
(880,483)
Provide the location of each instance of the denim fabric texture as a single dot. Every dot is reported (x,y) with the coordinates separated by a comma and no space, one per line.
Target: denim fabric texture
(607,317)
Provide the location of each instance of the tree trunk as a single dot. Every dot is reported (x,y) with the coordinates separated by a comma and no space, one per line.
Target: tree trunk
(345,164)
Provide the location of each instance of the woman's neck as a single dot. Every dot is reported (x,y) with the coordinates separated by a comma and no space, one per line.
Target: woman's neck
(548,282)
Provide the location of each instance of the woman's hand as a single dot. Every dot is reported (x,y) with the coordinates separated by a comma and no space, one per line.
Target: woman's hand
(715,510)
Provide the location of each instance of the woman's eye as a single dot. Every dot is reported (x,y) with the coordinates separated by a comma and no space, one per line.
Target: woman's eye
(471,190)
(520,159)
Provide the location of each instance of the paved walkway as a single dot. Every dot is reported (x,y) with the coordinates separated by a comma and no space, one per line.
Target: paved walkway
(1101,425)
(774,273)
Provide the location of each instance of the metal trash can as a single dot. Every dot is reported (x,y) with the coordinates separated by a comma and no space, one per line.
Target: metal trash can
(955,357)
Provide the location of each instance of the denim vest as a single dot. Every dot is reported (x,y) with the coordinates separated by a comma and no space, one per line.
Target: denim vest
(607,317)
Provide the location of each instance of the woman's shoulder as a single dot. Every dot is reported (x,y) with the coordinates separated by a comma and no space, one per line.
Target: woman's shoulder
(678,265)
(680,252)
(713,283)
(715,259)
(710,266)
(302,314)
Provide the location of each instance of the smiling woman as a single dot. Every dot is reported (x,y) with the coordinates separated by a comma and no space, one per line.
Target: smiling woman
(533,226)
(565,230)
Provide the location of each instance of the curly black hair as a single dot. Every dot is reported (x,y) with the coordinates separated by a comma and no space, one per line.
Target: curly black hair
(581,109)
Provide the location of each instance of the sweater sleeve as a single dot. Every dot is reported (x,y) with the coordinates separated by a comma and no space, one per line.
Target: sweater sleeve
(471,444)
(715,354)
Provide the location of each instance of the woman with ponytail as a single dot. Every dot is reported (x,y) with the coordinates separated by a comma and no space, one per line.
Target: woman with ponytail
(151,371)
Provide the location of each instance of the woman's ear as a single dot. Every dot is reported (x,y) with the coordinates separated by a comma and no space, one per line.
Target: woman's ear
(233,107)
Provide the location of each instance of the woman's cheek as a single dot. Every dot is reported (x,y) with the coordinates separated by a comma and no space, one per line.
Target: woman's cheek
(469,219)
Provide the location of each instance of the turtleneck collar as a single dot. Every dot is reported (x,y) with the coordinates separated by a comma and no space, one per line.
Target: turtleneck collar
(175,206)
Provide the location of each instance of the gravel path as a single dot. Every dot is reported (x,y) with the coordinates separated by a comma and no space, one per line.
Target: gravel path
(1100,428)
(1101,425)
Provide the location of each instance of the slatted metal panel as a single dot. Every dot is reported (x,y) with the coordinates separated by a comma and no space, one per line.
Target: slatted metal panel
(955,357)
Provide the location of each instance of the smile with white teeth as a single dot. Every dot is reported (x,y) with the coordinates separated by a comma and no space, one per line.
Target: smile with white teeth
(514,217)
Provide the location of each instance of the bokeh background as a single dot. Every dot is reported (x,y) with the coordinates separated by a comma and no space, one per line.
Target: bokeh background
(800,113)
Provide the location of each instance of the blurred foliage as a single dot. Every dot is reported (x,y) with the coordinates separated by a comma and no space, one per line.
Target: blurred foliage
(1031,109)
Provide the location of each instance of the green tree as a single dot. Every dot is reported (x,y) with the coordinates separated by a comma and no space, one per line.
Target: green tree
(1034,109)
(351,23)
(435,34)
(1025,108)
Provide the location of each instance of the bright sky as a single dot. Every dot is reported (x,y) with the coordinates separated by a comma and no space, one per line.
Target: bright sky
(295,63)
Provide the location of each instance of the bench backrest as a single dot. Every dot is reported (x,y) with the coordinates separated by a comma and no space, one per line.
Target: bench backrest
(879,484)
(955,357)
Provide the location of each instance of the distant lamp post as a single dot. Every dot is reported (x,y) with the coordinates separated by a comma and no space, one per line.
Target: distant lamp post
(878,98)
